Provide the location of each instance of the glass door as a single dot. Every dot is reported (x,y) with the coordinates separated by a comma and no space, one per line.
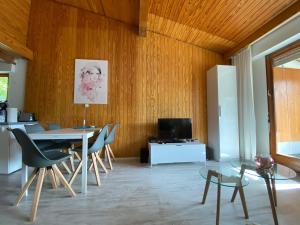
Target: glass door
(283,74)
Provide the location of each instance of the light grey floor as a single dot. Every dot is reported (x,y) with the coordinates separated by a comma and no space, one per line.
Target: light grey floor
(134,194)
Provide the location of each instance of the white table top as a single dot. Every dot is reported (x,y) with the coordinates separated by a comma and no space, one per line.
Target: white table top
(67,133)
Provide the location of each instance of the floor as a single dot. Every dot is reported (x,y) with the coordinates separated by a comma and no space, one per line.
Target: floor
(135,194)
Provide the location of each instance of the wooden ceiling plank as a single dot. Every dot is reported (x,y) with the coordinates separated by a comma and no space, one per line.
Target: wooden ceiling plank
(13,47)
(280,18)
(143,17)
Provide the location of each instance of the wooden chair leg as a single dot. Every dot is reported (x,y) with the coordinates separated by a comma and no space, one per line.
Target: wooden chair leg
(63,180)
(242,195)
(91,166)
(26,186)
(101,163)
(52,178)
(66,167)
(75,173)
(37,193)
(71,161)
(111,152)
(96,169)
(108,157)
(77,155)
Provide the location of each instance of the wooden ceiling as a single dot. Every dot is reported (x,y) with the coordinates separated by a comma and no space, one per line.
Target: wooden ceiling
(217,25)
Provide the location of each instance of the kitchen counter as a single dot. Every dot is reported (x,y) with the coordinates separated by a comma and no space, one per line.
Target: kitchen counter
(16,123)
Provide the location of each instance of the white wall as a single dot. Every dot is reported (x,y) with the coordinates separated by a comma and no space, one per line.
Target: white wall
(17,79)
(277,39)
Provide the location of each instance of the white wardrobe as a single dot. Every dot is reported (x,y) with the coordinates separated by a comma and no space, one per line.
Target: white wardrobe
(222,112)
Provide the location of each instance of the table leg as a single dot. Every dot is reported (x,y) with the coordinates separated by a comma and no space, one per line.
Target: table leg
(84,164)
(274,191)
(218,204)
(206,187)
(242,195)
(24,176)
(271,198)
(242,171)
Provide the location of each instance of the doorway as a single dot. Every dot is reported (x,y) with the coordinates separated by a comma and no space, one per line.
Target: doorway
(283,84)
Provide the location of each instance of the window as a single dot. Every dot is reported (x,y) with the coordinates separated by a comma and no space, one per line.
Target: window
(3,87)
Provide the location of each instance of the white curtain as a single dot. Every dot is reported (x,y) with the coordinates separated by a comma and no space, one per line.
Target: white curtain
(247,125)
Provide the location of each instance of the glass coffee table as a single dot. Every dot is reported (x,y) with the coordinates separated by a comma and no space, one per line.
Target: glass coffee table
(225,176)
(277,172)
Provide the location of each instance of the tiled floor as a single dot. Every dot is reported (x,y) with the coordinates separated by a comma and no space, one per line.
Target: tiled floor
(135,194)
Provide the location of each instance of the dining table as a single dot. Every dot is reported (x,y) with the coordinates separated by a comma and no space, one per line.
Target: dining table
(66,134)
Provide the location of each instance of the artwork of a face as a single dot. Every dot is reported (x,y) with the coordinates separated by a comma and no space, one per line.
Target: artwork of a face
(90,81)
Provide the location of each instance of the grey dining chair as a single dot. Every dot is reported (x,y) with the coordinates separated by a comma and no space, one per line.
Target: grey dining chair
(44,162)
(108,140)
(94,149)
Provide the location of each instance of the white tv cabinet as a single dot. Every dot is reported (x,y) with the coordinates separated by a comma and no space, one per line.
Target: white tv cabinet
(177,152)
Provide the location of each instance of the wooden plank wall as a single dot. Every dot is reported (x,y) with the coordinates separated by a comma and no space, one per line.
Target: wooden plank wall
(148,77)
(287,107)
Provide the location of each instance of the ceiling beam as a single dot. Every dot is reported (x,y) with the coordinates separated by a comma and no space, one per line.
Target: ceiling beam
(277,20)
(143,17)
(14,48)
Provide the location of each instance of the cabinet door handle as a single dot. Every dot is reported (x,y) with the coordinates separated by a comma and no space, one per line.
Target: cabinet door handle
(220,111)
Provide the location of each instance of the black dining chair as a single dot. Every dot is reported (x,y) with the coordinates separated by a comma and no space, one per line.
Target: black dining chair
(108,140)
(45,145)
(94,150)
(42,162)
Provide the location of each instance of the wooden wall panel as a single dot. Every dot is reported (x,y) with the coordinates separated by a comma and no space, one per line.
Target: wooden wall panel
(148,77)
(287,107)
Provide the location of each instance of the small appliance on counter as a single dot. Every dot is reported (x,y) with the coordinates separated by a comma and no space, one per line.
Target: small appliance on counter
(3,112)
(26,117)
(12,115)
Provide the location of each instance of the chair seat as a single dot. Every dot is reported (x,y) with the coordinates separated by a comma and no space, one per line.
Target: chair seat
(79,149)
(56,155)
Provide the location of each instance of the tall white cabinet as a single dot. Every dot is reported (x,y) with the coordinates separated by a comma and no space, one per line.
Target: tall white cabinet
(222,111)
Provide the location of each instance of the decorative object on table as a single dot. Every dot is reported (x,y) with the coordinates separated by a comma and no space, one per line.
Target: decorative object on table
(264,163)
(84,115)
(91,78)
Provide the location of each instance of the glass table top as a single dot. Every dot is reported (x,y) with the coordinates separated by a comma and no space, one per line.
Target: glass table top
(224,175)
(277,172)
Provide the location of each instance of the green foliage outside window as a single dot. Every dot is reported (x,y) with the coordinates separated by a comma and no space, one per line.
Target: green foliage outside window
(3,88)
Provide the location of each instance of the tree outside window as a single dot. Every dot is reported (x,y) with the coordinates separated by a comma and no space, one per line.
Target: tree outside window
(3,87)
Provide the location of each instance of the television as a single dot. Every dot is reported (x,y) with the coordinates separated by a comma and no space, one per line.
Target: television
(175,128)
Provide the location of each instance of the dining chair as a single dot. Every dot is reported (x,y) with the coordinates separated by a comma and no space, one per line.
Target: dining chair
(42,162)
(69,144)
(108,140)
(94,149)
(45,145)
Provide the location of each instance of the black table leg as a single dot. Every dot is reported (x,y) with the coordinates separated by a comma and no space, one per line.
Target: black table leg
(206,187)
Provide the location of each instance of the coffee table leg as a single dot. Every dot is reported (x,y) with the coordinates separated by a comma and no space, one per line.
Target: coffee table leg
(271,198)
(242,195)
(242,171)
(274,191)
(206,186)
(234,194)
(218,203)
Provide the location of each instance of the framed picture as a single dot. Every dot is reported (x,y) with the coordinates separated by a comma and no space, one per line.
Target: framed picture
(90,86)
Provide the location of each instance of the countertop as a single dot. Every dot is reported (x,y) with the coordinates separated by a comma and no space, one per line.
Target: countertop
(16,123)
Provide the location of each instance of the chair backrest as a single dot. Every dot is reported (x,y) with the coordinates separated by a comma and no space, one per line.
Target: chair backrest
(31,154)
(99,143)
(34,128)
(54,126)
(111,136)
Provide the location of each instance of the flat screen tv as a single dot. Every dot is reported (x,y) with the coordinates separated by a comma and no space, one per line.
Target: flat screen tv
(175,128)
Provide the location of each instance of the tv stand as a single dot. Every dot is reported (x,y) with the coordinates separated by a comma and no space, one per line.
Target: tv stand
(192,151)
